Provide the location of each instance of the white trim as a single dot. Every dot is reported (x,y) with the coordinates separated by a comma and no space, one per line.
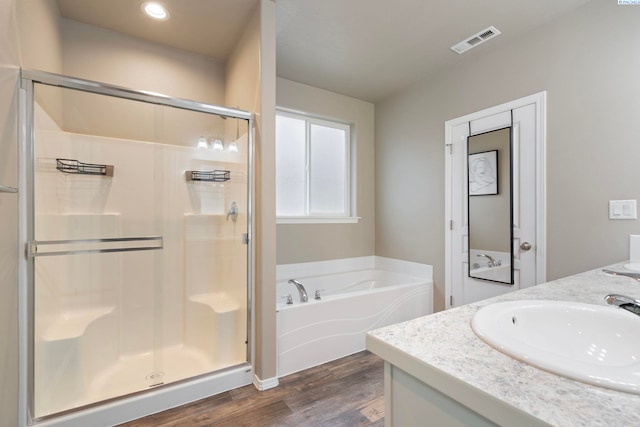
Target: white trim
(317,220)
(299,113)
(539,100)
(448,222)
(267,384)
(541,185)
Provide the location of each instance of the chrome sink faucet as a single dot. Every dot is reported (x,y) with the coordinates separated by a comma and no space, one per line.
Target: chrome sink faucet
(625,302)
(301,290)
(492,261)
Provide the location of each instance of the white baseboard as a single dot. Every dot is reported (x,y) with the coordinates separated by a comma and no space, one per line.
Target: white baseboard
(263,385)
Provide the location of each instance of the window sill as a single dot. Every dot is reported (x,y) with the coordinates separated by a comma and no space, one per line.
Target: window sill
(317,220)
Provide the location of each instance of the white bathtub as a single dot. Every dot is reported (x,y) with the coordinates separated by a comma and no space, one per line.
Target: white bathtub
(501,273)
(357,295)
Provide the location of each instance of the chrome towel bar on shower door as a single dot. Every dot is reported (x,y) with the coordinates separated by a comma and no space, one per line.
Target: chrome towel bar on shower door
(5,189)
(92,246)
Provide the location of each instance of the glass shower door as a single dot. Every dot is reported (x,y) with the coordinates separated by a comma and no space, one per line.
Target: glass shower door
(137,247)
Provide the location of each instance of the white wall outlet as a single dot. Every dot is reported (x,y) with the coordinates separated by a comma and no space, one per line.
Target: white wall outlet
(623,209)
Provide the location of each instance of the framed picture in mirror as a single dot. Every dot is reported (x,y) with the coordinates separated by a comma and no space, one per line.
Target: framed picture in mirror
(483,173)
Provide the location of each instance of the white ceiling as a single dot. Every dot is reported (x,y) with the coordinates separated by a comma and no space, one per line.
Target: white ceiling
(370,49)
(367,49)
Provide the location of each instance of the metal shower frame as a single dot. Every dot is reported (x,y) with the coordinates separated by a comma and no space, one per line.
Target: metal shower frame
(28,79)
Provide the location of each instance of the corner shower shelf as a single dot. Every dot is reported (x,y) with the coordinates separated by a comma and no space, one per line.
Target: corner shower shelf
(208,176)
(71,166)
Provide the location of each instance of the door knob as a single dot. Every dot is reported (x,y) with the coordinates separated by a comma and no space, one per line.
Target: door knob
(525,246)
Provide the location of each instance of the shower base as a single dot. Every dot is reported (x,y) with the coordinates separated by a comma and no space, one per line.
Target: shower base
(141,372)
(147,370)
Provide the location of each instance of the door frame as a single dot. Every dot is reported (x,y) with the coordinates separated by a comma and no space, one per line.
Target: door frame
(539,100)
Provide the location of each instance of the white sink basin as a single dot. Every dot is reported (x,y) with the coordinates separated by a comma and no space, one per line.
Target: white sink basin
(598,345)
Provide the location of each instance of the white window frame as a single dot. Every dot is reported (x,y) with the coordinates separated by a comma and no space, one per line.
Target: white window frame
(308,217)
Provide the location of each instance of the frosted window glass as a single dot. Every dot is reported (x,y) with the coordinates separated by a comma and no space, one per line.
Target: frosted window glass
(290,166)
(327,177)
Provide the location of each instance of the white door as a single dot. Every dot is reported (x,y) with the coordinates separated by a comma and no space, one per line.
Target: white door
(526,119)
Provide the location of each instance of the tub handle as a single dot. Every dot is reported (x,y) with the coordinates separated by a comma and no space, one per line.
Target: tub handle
(318,293)
(289,298)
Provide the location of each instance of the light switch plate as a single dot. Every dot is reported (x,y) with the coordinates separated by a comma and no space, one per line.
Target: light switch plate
(623,209)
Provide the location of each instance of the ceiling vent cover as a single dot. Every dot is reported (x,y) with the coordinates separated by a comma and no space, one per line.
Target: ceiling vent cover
(476,39)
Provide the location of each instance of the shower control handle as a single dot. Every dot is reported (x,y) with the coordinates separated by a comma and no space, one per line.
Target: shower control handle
(233,212)
(289,298)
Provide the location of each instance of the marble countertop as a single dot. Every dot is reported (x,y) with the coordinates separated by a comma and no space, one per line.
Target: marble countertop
(442,351)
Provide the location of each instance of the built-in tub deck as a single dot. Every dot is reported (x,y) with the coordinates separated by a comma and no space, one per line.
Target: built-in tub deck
(356,296)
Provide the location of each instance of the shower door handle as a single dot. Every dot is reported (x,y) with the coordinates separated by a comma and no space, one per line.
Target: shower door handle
(93,246)
(6,189)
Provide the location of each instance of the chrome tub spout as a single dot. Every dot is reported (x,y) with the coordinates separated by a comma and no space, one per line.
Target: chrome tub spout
(492,261)
(301,290)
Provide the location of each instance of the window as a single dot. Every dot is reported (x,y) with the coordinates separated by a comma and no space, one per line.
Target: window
(313,170)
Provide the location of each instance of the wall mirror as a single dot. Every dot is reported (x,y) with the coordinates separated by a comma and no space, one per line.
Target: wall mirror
(490,204)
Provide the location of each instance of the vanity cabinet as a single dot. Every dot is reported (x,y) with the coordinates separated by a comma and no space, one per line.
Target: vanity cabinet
(430,398)
(439,373)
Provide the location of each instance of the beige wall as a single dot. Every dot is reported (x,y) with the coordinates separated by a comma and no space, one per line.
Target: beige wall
(97,54)
(9,62)
(250,86)
(587,62)
(75,49)
(41,49)
(266,195)
(318,242)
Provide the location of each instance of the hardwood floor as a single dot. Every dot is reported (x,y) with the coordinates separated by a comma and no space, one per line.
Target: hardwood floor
(346,392)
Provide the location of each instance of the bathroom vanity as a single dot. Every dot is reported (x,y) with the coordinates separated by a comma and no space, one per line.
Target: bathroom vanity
(438,372)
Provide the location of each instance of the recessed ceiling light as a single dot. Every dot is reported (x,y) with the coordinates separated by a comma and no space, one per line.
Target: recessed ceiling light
(155,10)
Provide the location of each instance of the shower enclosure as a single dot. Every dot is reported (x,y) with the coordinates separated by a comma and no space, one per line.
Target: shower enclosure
(137,257)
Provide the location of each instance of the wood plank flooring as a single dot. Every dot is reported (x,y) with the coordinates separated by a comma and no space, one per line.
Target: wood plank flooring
(344,393)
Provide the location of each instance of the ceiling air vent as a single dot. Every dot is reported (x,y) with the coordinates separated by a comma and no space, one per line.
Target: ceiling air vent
(476,39)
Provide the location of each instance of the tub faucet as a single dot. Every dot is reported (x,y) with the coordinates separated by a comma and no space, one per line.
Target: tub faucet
(625,302)
(301,290)
(492,261)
